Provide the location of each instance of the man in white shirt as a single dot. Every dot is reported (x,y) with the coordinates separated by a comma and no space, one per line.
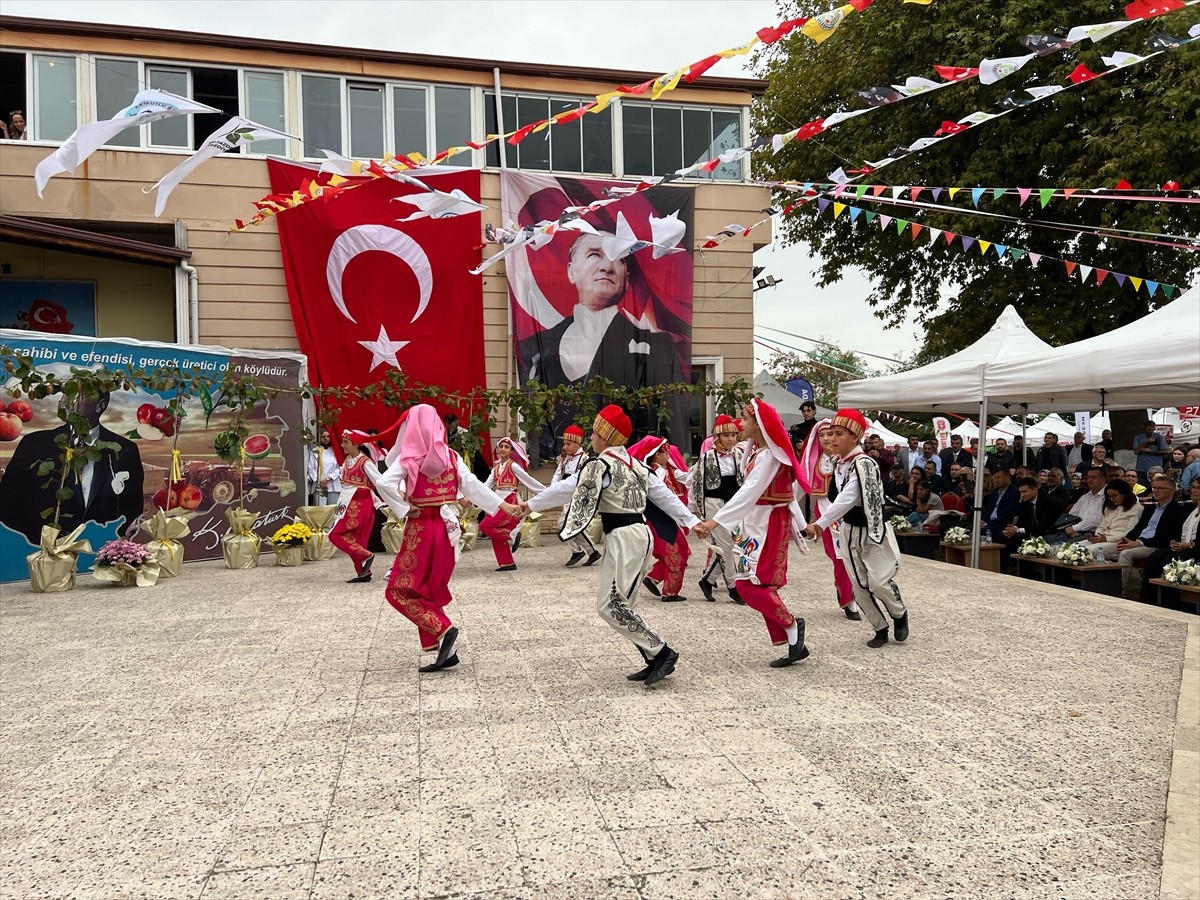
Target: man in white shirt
(1089,508)
(324,473)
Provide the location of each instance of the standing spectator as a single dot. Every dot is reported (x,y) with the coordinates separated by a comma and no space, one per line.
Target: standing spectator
(1106,441)
(799,433)
(1192,470)
(1121,514)
(1151,449)
(324,473)
(1096,461)
(1080,451)
(1183,548)
(879,452)
(1002,459)
(907,456)
(955,454)
(1051,456)
(928,452)
(1158,526)
(1019,455)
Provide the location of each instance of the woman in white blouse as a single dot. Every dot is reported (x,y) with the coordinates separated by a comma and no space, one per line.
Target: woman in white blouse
(1121,514)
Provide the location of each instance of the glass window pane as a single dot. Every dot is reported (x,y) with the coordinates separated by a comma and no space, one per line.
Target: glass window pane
(265,104)
(409,124)
(534,151)
(668,140)
(697,138)
(566,149)
(321,105)
(598,142)
(56,115)
(727,134)
(366,120)
(508,106)
(116,86)
(170,132)
(452,122)
(639,156)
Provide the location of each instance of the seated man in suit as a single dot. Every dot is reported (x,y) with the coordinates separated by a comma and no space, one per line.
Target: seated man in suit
(1159,525)
(598,338)
(1000,506)
(104,491)
(1035,515)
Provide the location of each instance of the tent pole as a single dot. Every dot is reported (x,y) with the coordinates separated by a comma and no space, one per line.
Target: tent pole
(1024,425)
(977,513)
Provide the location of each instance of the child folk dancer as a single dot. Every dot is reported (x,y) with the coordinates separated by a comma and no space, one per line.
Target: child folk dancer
(356,509)
(507,475)
(569,461)
(714,479)
(671,549)
(764,517)
(616,486)
(816,473)
(423,479)
(868,544)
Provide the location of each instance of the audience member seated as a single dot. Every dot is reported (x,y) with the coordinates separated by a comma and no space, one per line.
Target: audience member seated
(1000,505)
(1096,459)
(955,454)
(1036,515)
(1158,526)
(1002,458)
(1121,514)
(1192,470)
(1078,487)
(1130,477)
(895,493)
(1051,456)
(927,502)
(1089,508)
(1175,464)
(1055,490)
(1184,548)
(932,478)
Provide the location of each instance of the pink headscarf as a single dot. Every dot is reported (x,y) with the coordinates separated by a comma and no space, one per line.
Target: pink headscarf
(811,456)
(646,448)
(422,444)
(707,445)
(518,451)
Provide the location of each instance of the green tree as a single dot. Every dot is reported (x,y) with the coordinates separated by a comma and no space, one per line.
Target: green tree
(825,366)
(1141,125)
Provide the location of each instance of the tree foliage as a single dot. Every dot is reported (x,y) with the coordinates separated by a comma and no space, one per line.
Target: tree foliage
(824,367)
(1141,125)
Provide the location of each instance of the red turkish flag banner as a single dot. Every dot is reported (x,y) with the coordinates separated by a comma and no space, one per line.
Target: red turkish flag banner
(370,293)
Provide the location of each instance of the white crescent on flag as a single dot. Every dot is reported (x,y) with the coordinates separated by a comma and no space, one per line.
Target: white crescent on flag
(365,238)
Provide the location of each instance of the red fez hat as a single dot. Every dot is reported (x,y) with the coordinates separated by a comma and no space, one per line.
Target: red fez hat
(613,425)
(852,420)
(573,433)
(725,425)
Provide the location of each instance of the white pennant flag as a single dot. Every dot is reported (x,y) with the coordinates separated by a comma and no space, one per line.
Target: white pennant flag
(1121,59)
(148,106)
(666,233)
(1097,33)
(234,133)
(1041,92)
(992,70)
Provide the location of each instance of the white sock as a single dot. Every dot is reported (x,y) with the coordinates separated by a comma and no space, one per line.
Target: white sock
(853,606)
(793,633)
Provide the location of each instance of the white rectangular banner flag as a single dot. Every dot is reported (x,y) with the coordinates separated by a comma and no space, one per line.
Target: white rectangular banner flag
(234,133)
(1083,422)
(148,106)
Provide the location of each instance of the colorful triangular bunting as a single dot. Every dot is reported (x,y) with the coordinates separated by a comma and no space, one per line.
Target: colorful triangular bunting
(983,247)
(1045,194)
(1136,282)
(976,193)
(967,242)
(1000,250)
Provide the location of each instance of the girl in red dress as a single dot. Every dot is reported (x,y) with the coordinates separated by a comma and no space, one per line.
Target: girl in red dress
(356,510)
(671,550)
(507,475)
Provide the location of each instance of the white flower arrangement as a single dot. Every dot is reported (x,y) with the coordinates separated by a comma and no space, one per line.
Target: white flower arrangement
(1034,546)
(1075,554)
(1181,571)
(957,535)
(899,523)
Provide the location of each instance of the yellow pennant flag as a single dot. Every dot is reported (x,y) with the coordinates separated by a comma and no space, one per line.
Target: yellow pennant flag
(819,28)
(919,2)
(1136,282)
(603,101)
(838,209)
(665,83)
(954,191)
(738,51)
(983,247)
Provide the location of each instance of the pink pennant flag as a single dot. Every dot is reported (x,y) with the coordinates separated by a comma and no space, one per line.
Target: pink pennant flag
(950,236)
(916,192)
(1024,193)
(1034,259)
(885,221)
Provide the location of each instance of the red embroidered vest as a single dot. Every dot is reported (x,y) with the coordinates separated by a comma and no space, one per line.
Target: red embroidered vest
(354,473)
(436,491)
(779,491)
(503,477)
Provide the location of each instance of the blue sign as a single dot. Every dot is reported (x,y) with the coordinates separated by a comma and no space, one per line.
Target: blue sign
(802,388)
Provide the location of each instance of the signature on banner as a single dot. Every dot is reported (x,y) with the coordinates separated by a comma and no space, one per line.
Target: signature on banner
(215,528)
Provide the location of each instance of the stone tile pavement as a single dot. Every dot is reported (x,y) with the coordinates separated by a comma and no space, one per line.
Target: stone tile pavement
(265,734)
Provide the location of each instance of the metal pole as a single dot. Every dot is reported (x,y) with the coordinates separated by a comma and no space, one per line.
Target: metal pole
(977,514)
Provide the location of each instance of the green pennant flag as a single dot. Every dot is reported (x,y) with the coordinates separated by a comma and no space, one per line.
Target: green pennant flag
(901,224)
(1016,254)
(860,190)
(997,193)
(1168,290)
(871,216)
(1045,194)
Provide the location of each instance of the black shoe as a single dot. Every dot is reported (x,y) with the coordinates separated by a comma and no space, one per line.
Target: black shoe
(366,566)
(592,560)
(446,647)
(736,597)
(651,586)
(881,638)
(852,614)
(450,663)
(517,545)
(574,560)
(796,652)
(359,579)
(673,598)
(641,674)
(662,665)
(901,627)
(511,567)
(706,590)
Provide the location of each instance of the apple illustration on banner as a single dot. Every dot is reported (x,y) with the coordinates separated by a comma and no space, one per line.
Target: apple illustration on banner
(154,423)
(10,426)
(21,410)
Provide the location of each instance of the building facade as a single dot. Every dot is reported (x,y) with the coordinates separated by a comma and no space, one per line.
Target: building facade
(186,278)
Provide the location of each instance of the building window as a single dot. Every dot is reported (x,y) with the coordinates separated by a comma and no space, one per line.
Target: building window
(451,122)
(266,103)
(410,125)
(322,110)
(175,131)
(659,140)
(12,90)
(366,120)
(584,145)
(116,86)
(55,102)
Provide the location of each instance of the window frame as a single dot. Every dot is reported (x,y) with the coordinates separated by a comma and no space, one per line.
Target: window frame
(616,150)
(741,112)
(32,94)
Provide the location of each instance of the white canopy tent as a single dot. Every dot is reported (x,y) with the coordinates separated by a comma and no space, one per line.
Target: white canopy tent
(785,402)
(890,438)
(1051,424)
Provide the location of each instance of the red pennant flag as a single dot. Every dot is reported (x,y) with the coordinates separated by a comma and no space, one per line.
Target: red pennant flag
(709,244)
(1101,274)
(711,164)
(1170,186)
(916,192)
(572,115)
(1081,74)
(810,129)
(1067,192)
(696,69)
(878,189)
(1123,185)
(916,229)
(861,5)
(521,133)
(950,128)
(956,73)
(772,34)
(950,236)
(1148,9)
(1070,267)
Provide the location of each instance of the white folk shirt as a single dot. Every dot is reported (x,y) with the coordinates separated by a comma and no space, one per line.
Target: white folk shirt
(849,492)
(1090,509)
(568,467)
(582,340)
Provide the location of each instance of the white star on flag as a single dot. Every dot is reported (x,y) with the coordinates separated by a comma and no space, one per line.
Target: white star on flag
(383,349)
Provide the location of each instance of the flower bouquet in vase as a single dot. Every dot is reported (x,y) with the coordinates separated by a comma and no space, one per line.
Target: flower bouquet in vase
(957,535)
(1074,554)
(899,523)
(1034,546)
(289,543)
(1182,572)
(127,564)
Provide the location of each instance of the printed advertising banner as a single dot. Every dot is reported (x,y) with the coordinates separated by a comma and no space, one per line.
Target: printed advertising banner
(578,314)
(119,491)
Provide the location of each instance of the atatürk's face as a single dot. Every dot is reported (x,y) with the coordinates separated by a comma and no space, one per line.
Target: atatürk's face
(599,280)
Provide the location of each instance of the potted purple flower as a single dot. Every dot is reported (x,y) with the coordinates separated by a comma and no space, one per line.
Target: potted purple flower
(127,563)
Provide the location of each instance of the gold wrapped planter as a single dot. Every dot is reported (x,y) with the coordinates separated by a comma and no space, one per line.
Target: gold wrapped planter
(289,556)
(166,530)
(240,546)
(52,568)
(318,518)
(145,575)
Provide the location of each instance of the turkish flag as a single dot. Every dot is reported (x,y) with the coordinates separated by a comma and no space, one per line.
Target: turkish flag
(370,293)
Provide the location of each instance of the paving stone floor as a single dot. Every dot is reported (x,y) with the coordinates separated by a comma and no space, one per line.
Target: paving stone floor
(265,734)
